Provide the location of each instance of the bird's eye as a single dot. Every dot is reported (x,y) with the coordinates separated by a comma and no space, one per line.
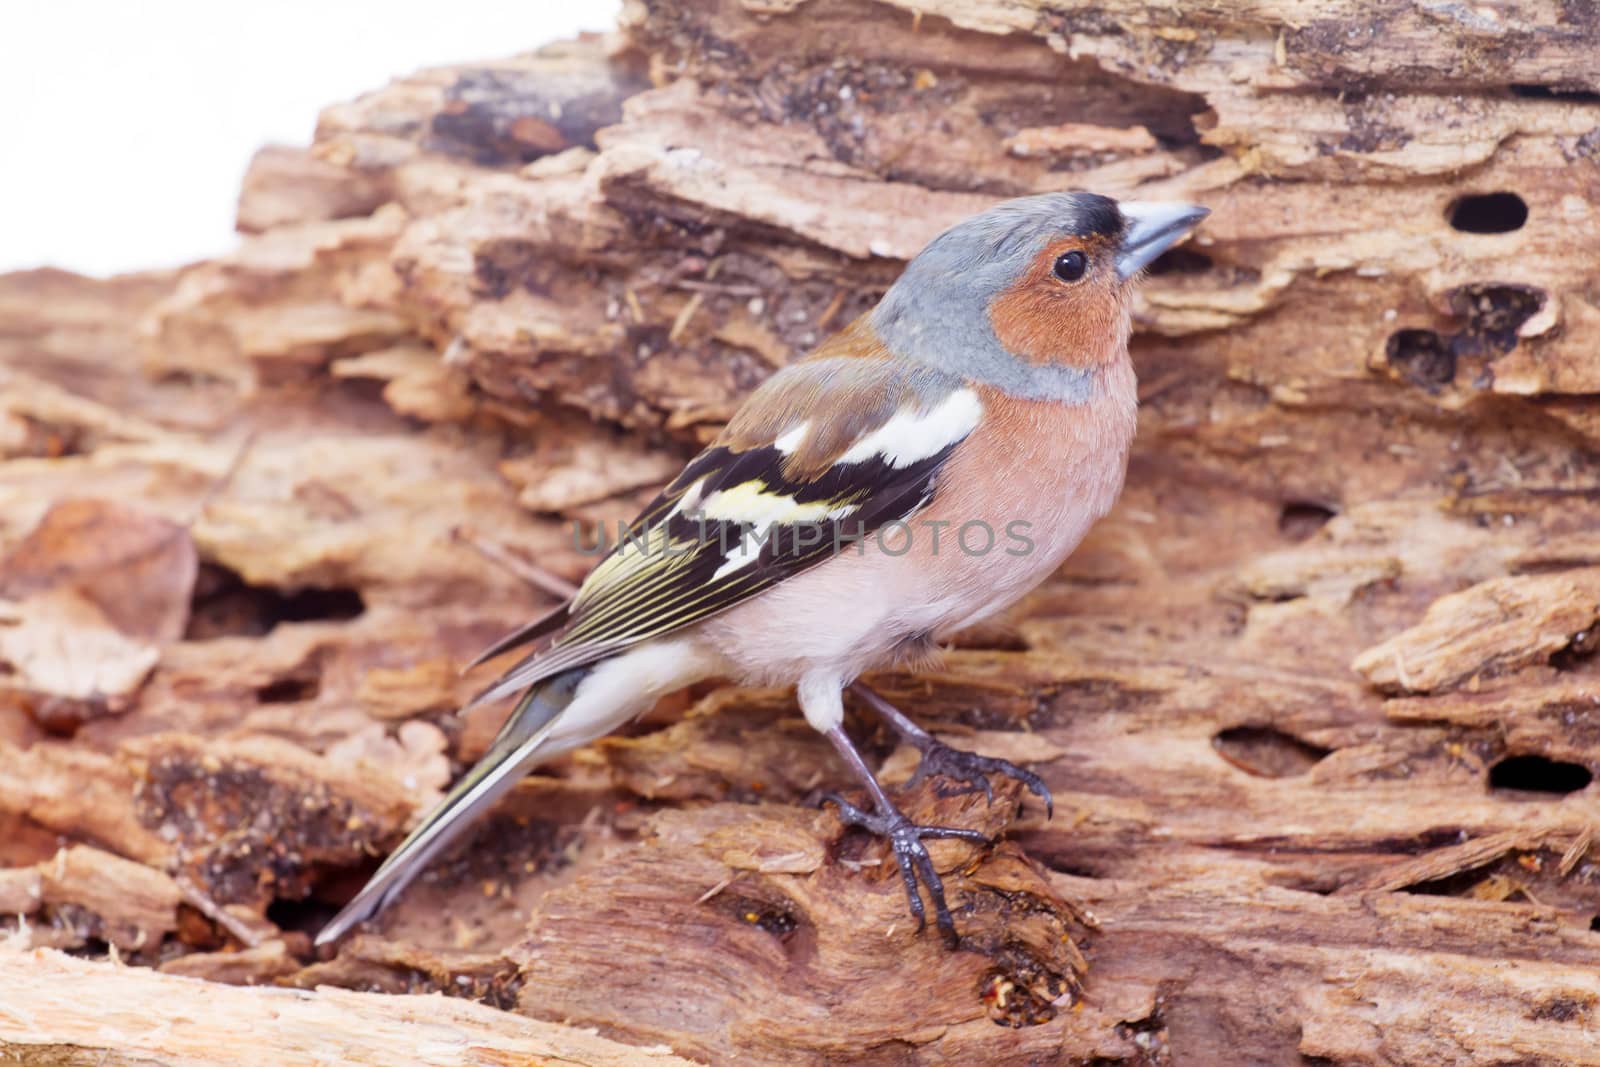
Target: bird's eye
(1071,265)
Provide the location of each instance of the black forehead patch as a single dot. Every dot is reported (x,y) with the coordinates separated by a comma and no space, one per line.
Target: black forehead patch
(1097,216)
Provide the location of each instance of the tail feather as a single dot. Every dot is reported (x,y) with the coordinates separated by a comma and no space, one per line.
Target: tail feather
(515,751)
(536,629)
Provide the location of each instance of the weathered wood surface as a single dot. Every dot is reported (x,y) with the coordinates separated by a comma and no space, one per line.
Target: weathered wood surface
(136,1017)
(1318,702)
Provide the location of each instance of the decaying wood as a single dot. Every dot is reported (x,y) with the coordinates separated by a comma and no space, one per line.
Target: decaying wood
(137,1017)
(1319,702)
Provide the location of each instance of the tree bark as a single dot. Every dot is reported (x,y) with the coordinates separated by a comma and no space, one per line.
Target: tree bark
(1318,701)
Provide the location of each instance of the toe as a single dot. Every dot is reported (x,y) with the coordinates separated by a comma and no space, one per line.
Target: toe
(849,814)
(908,875)
(956,833)
(941,908)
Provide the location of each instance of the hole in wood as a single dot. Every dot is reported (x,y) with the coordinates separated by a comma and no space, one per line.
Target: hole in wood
(1022,999)
(1322,883)
(1267,752)
(1485,882)
(93,948)
(1556,92)
(777,918)
(331,889)
(1538,774)
(1422,357)
(63,716)
(1494,314)
(225,605)
(1299,519)
(288,691)
(1488,213)
(1583,645)
(1561,1009)
(308,915)
(1181,261)
(777,923)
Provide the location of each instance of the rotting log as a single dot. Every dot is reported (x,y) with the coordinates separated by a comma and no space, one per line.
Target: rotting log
(1319,701)
(139,1017)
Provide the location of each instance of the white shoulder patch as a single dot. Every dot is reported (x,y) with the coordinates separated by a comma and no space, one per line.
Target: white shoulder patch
(911,436)
(789,442)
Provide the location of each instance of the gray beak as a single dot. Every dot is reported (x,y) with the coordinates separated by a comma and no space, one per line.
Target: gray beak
(1152,229)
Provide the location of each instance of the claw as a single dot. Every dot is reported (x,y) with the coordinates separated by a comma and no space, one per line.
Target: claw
(905,837)
(939,758)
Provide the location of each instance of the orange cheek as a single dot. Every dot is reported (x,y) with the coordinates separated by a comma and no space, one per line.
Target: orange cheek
(1041,323)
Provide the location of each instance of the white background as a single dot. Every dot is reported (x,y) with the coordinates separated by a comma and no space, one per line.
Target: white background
(125,125)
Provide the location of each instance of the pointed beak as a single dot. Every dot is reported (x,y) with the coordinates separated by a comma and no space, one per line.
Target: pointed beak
(1152,229)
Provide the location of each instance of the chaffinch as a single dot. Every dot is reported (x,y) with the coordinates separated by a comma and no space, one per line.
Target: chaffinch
(919,471)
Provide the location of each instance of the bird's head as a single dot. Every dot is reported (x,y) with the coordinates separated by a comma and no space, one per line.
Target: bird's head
(1033,295)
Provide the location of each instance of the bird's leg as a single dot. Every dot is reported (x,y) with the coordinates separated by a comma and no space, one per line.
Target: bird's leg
(904,836)
(939,758)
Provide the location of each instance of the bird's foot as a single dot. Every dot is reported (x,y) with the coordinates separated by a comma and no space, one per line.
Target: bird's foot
(969,767)
(939,758)
(906,838)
